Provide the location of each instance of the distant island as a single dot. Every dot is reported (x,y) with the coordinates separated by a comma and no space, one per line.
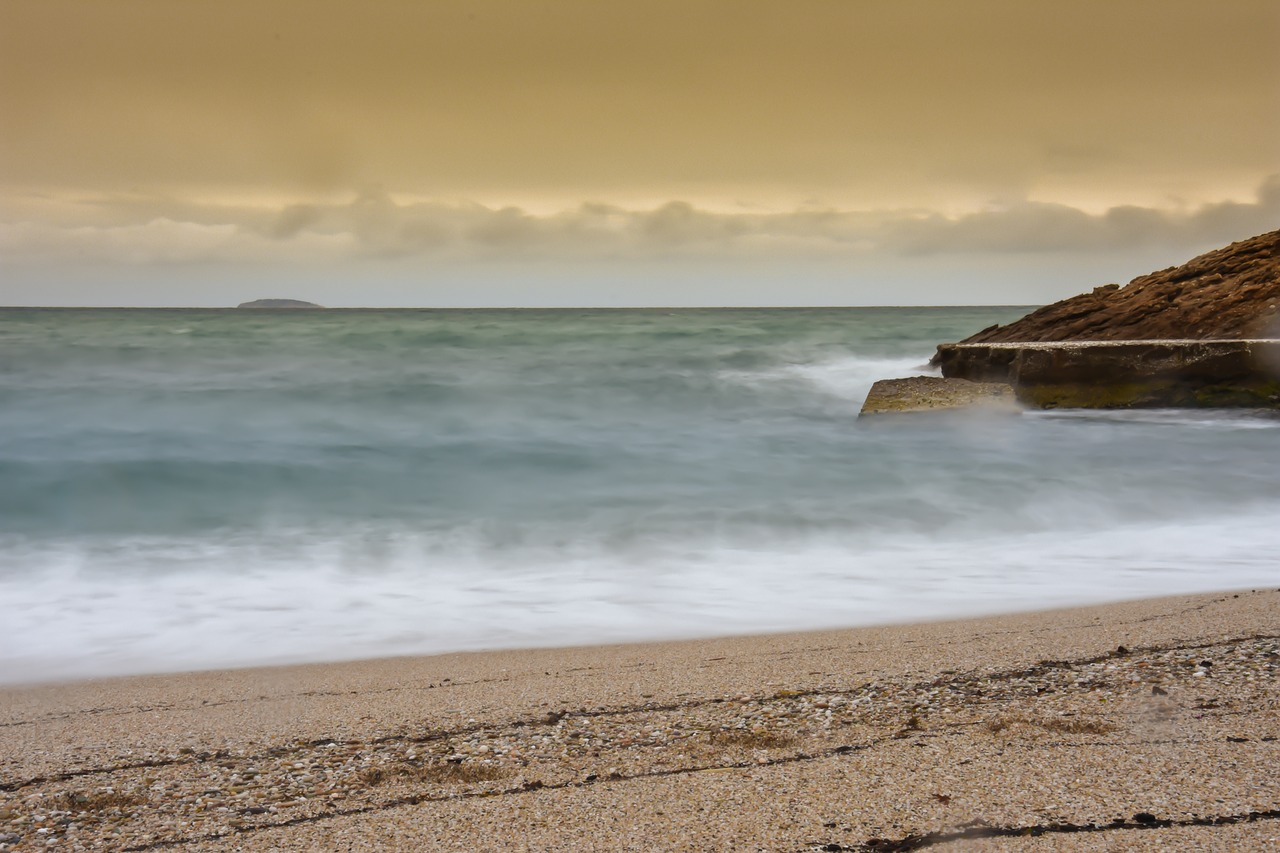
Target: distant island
(278,303)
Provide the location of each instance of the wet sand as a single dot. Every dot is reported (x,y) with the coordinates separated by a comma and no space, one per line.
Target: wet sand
(1147,725)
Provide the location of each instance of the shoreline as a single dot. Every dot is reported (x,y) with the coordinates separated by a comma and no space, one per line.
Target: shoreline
(1056,720)
(262,669)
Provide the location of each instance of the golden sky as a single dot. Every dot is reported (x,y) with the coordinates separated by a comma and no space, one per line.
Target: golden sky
(143,132)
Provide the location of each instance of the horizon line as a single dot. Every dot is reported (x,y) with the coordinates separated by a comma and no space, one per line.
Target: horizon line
(305,309)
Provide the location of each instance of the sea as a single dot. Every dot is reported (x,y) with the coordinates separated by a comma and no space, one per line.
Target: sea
(193,489)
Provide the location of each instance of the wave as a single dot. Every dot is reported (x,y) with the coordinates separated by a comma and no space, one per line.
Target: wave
(176,604)
(844,377)
(345,485)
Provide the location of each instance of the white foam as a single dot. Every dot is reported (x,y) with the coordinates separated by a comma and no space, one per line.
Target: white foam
(82,612)
(845,379)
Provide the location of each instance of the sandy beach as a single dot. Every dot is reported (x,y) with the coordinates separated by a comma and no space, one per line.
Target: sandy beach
(1149,725)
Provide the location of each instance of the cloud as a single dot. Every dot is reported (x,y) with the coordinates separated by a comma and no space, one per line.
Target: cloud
(160,242)
(1031,227)
(294,219)
(374,225)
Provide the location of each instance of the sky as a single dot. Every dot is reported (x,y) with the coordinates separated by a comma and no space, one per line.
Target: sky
(575,152)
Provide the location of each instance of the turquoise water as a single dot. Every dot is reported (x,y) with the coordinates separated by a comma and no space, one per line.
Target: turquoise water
(190,488)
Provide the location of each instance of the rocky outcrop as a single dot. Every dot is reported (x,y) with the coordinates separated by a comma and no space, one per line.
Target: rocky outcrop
(1125,374)
(1227,293)
(932,393)
(278,303)
(1199,335)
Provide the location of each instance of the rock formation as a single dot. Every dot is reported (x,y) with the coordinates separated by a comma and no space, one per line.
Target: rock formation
(1125,374)
(1229,293)
(1198,335)
(930,393)
(1204,334)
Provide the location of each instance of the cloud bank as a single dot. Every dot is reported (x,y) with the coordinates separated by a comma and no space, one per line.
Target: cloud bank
(374,226)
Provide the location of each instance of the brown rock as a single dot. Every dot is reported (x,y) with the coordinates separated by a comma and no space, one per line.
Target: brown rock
(1199,335)
(925,393)
(1229,293)
(1125,374)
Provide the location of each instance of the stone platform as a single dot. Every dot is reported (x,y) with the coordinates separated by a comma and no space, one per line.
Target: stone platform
(1125,374)
(929,393)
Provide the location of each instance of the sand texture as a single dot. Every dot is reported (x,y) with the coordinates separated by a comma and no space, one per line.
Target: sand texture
(1149,725)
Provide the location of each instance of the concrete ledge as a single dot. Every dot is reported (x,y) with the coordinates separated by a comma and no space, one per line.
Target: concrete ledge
(1125,374)
(929,393)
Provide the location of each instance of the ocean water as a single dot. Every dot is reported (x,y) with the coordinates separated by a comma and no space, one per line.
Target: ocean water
(192,489)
